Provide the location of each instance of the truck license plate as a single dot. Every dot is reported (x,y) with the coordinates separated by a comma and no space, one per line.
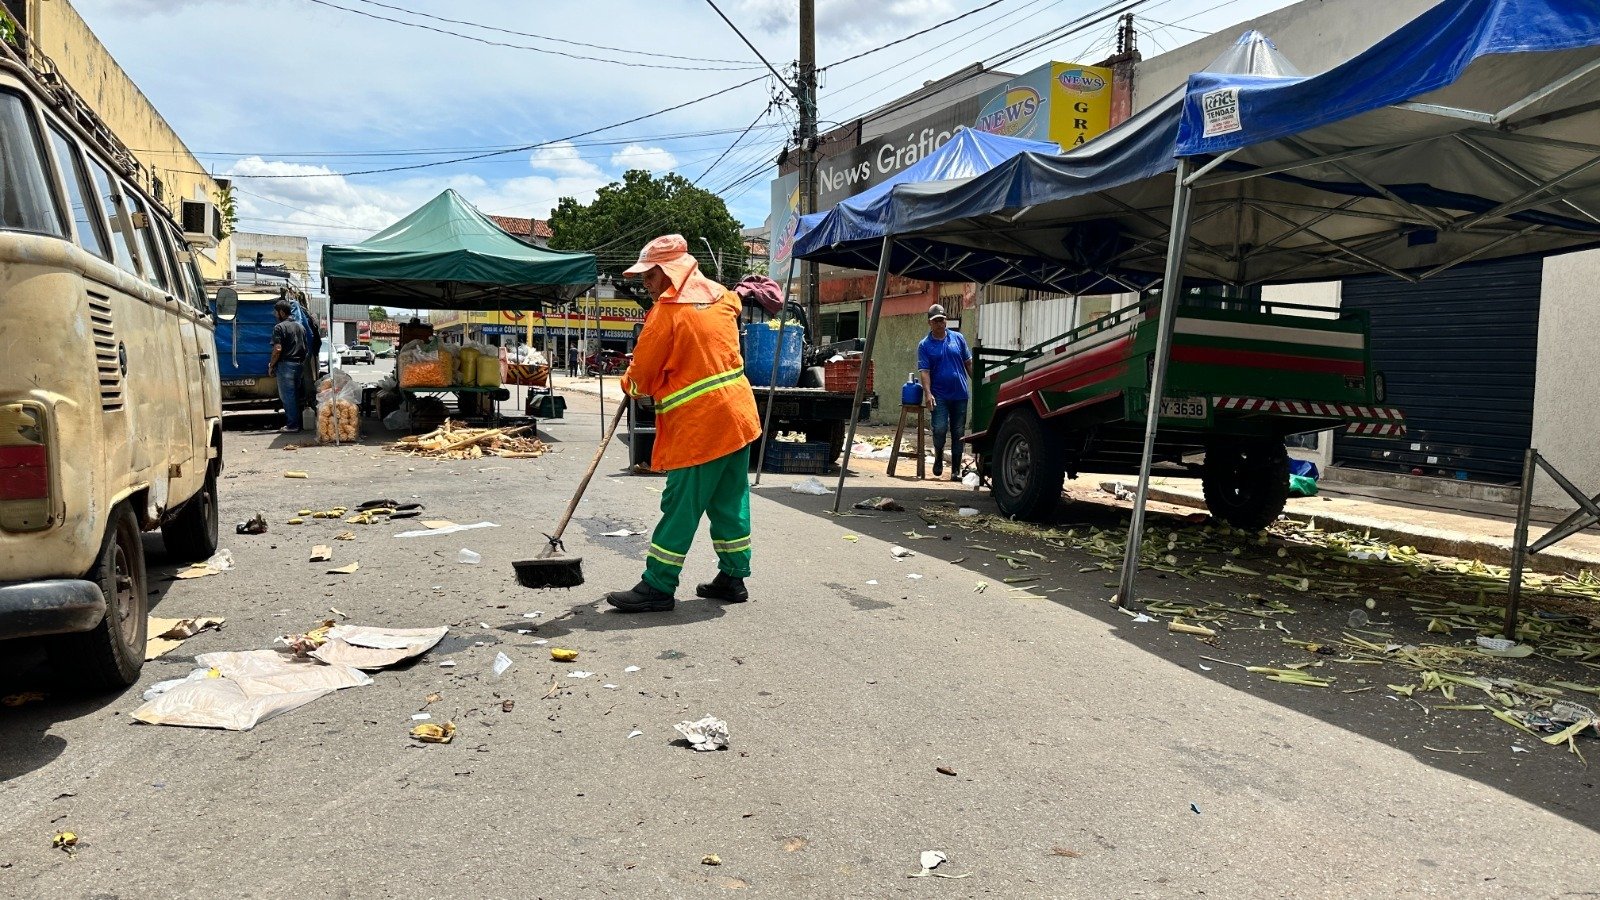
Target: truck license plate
(1183,407)
(239,382)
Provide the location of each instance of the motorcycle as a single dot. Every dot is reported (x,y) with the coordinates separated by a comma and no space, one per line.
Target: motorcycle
(607,362)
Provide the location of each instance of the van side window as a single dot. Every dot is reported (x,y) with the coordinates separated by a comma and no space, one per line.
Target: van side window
(26,201)
(183,269)
(111,204)
(155,263)
(85,216)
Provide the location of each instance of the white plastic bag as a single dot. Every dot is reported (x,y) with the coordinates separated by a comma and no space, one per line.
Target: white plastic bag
(338,408)
(811,486)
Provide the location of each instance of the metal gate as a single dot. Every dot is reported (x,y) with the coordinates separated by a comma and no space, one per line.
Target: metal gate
(1457,353)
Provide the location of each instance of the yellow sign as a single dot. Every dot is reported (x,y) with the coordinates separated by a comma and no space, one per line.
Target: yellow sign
(1062,102)
(609,315)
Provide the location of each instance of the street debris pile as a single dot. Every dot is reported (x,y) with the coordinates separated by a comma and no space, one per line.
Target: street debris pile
(368,513)
(1386,589)
(454,441)
(221,561)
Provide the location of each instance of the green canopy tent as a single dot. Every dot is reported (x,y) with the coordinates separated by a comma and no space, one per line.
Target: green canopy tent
(448,255)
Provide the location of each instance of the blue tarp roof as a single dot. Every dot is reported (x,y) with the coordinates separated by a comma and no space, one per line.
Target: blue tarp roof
(863,217)
(1472,132)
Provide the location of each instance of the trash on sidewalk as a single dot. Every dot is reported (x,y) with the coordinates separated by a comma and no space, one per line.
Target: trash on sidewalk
(429,733)
(367,647)
(621,532)
(256,524)
(468,557)
(350,569)
(971,480)
(966,512)
(931,860)
(811,486)
(321,553)
(711,859)
(249,687)
(502,662)
(454,441)
(561,655)
(295,475)
(881,504)
(705,734)
(899,552)
(453,529)
(168,634)
(436,524)
(579,673)
(1358,618)
(65,841)
(1179,627)
(221,561)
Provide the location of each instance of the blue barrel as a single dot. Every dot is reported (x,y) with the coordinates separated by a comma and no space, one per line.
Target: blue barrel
(759,342)
(911,393)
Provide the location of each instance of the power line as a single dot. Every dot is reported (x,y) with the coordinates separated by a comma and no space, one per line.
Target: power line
(911,36)
(543,37)
(432,151)
(759,116)
(747,42)
(523,148)
(585,57)
(1076,26)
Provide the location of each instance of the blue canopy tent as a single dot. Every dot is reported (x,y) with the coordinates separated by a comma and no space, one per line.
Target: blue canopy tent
(1471,133)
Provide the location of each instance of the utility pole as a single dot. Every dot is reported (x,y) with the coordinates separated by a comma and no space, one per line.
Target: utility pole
(806,97)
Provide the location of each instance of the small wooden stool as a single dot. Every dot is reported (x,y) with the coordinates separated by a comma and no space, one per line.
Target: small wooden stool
(907,409)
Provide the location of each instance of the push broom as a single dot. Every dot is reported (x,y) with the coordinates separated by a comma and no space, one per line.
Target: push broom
(553,568)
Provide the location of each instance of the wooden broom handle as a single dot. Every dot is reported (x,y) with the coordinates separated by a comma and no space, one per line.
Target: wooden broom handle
(594,464)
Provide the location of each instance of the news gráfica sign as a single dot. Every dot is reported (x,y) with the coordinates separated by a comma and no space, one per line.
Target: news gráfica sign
(1066,103)
(849,173)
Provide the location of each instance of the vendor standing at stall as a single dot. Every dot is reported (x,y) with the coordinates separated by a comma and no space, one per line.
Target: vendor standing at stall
(687,358)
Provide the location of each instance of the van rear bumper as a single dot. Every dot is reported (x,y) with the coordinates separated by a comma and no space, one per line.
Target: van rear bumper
(54,606)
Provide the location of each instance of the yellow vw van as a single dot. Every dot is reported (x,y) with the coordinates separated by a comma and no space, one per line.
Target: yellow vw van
(110,415)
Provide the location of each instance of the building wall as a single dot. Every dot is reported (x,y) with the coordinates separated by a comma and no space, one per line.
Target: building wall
(291,251)
(60,33)
(1566,392)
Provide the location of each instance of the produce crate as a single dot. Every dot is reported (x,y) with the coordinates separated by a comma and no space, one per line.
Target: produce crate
(840,377)
(546,406)
(798,459)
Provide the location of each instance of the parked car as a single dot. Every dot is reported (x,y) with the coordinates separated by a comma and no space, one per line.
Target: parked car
(350,354)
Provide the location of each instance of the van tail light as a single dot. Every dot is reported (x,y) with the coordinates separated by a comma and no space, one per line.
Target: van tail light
(26,481)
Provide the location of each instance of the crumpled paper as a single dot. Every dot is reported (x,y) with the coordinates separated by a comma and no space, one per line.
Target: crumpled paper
(709,733)
(166,635)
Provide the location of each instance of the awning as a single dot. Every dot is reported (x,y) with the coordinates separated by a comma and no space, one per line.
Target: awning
(448,255)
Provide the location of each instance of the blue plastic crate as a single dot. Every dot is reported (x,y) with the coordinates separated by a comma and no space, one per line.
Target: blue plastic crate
(798,459)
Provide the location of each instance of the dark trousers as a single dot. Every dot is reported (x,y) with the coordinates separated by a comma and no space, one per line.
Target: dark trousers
(949,418)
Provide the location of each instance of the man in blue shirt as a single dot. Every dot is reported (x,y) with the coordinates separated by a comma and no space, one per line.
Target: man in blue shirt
(944,364)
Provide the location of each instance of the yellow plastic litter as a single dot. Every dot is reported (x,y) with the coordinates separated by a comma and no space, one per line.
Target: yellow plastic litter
(429,733)
(295,475)
(560,655)
(64,841)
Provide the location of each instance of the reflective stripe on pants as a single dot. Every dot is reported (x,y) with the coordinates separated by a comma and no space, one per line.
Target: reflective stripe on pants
(719,490)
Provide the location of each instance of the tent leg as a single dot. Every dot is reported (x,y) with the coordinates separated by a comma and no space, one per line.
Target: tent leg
(772,382)
(1171,291)
(866,360)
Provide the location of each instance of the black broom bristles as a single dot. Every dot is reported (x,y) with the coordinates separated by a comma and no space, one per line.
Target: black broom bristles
(550,572)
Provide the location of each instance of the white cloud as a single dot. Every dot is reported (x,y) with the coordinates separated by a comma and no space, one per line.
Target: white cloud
(564,159)
(637,156)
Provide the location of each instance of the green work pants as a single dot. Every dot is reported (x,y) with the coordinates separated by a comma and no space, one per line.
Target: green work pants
(719,489)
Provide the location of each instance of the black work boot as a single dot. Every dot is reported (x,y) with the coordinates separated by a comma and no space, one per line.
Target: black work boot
(724,587)
(642,597)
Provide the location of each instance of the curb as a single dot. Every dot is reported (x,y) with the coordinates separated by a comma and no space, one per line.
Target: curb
(1438,542)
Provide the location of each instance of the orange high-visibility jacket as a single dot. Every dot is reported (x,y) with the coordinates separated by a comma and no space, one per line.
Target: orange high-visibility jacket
(687,359)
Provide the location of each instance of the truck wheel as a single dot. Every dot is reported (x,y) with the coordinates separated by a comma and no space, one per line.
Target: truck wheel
(1246,481)
(192,533)
(109,657)
(1030,462)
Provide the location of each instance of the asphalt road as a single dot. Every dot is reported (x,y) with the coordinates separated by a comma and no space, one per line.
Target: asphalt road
(1093,757)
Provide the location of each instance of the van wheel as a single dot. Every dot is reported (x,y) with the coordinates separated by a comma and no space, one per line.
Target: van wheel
(109,657)
(1246,481)
(1029,464)
(192,534)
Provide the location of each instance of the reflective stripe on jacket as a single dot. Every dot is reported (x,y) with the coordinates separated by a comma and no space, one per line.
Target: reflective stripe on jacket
(687,359)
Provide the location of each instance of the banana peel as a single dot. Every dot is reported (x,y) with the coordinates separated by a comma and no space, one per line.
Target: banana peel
(65,841)
(562,655)
(429,733)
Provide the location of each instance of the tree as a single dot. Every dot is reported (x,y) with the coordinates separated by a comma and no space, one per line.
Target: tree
(377,314)
(626,214)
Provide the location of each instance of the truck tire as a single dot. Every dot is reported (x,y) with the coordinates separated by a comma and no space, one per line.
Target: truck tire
(109,656)
(1030,462)
(1246,481)
(191,535)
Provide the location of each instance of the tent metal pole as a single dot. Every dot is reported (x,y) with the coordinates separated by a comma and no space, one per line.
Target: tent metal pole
(1171,294)
(866,360)
(772,383)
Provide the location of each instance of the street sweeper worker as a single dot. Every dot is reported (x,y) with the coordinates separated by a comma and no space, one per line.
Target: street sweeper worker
(687,359)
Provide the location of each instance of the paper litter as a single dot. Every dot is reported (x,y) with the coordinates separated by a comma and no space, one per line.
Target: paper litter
(248,687)
(705,734)
(168,634)
(621,532)
(453,529)
(365,647)
(502,662)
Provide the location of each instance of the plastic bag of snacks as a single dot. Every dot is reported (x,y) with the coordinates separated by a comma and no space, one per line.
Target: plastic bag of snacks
(338,409)
(467,364)
(424,364)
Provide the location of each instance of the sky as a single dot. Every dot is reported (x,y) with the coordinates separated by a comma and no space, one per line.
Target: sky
(315,91)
